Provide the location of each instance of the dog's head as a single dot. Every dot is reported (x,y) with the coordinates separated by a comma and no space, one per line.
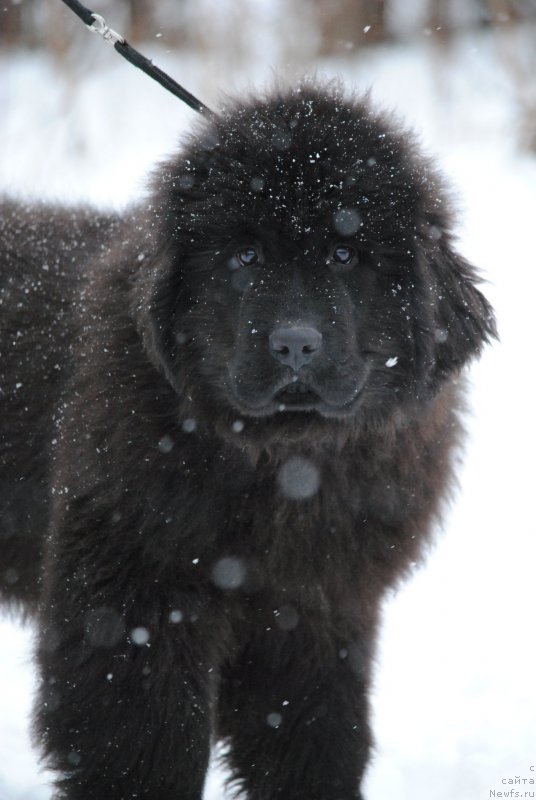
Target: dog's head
(303,264)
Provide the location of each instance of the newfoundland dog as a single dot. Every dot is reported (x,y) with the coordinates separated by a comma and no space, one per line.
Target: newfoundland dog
(229,422)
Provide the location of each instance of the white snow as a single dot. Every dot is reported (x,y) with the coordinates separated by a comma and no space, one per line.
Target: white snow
(139,636)
(274,719)
(346,221)
(189,425)
(454,698)
(229,573)
(166,444)
(298,478)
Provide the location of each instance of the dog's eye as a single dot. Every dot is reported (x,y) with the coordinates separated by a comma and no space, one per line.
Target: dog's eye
(247,257)
(344,254)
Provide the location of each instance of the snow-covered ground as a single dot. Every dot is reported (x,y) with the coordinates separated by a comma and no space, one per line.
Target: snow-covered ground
(454,700)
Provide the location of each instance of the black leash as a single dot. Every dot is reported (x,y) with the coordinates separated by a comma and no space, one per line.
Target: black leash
(97,24)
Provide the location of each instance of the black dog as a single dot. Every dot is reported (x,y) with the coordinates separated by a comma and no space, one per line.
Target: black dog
(228,424)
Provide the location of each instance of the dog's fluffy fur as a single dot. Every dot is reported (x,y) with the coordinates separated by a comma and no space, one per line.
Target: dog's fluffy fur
(206,550)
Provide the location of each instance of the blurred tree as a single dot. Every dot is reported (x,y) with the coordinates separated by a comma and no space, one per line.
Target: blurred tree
(516,37)
(440,21)
(345,24)
(141,19)
(10,22)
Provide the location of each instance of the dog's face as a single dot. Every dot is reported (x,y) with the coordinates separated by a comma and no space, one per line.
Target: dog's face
(305,266)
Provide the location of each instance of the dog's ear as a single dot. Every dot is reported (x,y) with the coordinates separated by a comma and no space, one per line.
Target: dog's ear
(460,320)
(168,224)
(154,307)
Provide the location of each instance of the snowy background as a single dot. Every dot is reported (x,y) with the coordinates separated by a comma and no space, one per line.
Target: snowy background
(454,697)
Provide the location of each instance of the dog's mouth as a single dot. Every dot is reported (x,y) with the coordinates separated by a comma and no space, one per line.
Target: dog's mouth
(292,396)
(296,395)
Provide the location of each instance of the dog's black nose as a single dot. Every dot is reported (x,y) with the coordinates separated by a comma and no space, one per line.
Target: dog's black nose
(295,346)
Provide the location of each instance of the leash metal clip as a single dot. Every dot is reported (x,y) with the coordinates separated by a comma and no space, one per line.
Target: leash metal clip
(99,26)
